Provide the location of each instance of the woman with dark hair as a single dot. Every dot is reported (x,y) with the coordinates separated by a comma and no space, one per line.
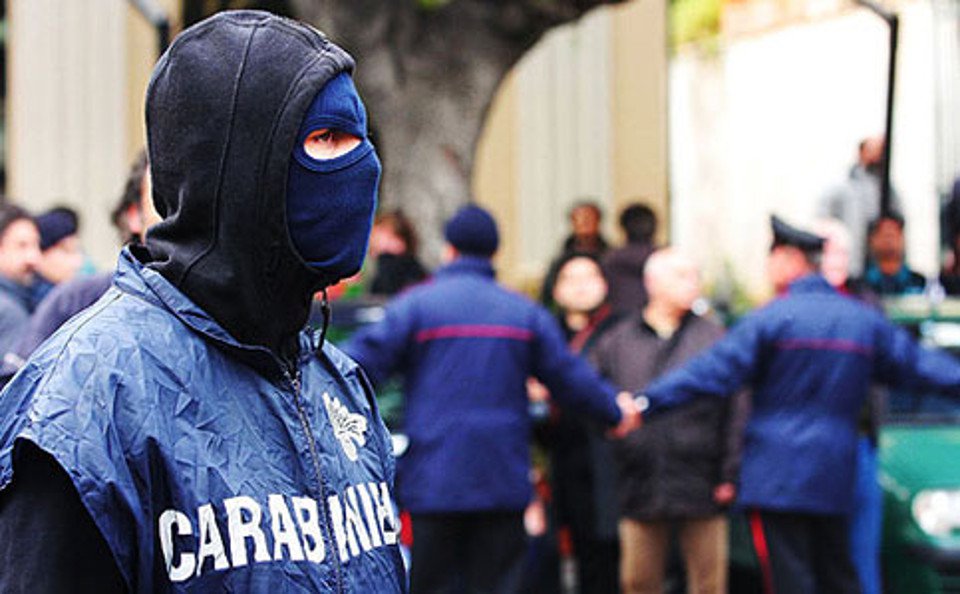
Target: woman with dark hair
(583,478)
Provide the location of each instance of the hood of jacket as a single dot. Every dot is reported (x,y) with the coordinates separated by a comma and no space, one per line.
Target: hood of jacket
(223,110)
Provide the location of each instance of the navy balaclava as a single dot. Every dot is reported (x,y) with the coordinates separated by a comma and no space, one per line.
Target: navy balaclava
(331,202)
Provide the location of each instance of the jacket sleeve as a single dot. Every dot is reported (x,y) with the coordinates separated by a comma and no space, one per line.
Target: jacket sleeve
(737,414)
(570,379)
(902,363)
(719,371)
(380,347)
(48,542)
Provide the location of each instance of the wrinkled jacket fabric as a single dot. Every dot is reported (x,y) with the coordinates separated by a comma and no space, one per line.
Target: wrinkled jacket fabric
(142,400)
(810,357)
(215,446)
(466,347)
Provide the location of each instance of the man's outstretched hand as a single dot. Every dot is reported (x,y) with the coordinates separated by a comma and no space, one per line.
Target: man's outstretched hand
(630,419)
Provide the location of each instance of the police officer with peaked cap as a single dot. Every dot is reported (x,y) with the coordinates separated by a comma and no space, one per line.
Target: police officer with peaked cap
(810,357)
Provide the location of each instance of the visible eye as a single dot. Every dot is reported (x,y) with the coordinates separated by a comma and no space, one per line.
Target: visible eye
(327,143)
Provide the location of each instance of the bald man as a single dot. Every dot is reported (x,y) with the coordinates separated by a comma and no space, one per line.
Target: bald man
(678,472)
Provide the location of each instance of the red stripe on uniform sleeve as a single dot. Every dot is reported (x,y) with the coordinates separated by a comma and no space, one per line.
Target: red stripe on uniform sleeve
(474,331)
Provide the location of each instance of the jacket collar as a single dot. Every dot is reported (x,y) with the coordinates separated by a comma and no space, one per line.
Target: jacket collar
(475,265)
(145,283)
(811,283)
(645,327)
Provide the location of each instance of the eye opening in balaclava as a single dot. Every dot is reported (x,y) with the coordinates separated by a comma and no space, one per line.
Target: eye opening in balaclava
(330,202)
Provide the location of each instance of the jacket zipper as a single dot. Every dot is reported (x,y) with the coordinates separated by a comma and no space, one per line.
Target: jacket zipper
(294,380)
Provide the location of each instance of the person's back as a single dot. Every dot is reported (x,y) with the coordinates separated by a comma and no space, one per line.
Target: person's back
(810,357)
(466,347)
(624,265)
(469,346)
(811,328)
(473,350)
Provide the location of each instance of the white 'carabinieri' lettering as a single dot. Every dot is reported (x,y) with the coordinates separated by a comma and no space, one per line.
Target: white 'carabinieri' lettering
(170,520)
(241,530)
(284,532)
(211,543)
(362,519)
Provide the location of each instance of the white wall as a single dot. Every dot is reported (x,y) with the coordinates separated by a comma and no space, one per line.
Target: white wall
(564,121)
(772,120)
(66,111)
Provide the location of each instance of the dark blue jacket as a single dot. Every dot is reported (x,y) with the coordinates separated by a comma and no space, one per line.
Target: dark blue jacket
(15,307)
(202,474)
(811,357)
(466,347)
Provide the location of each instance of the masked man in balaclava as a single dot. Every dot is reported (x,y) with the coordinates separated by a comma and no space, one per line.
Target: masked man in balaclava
(185,433)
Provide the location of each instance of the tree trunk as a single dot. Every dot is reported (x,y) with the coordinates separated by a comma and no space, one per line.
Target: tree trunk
(428,76)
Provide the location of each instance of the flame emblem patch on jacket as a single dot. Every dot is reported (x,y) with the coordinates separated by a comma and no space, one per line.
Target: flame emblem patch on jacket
(348,427)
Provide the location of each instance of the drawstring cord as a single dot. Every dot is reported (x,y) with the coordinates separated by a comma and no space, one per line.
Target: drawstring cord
(325,308)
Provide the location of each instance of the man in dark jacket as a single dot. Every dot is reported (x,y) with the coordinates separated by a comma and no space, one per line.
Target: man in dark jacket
(678,472)
(186,434)
(811,357)
(466,347)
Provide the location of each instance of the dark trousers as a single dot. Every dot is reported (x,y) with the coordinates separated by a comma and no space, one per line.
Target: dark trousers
(471,553)
(803,553)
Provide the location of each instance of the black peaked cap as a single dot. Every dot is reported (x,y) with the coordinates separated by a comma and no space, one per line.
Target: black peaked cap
(784,234)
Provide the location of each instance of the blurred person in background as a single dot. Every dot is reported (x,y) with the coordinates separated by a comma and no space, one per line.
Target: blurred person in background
(679,472)
(133,215)
(61,256)
(811,357)
(19,257)
(835,261)
(585,238)
(466,346)
(887,273)
(856,200)
(582,478)
(624,265)
(866,518)
(950,273)
(393,247)
(134,212)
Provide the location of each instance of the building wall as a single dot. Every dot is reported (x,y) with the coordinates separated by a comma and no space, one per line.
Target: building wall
(76,75)
(769,122)
(583,115)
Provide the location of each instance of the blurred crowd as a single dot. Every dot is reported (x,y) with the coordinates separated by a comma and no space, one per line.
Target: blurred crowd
(524,437)
(648,512)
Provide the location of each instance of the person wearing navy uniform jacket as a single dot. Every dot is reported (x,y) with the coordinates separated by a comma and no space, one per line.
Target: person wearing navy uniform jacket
(466,347)
(187,433)
(810,357)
